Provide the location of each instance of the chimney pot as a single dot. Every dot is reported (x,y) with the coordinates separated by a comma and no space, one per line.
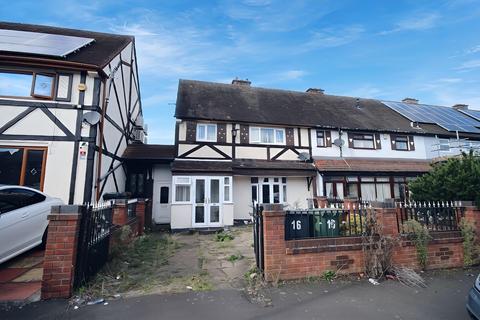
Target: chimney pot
(315,90)
(460,106)
(410,100)
(240,82)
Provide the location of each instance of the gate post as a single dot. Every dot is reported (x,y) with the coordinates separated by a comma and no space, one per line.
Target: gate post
(273,240)
(140,213)
(120,213)
(61,251)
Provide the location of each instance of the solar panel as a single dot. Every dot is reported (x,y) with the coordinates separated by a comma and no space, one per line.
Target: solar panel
(447,118)
(472,113)
(40,43)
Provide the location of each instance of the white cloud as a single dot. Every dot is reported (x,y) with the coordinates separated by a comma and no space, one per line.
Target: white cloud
(291,74)
(415,22)
(334,37)
(473,50)
(468,65)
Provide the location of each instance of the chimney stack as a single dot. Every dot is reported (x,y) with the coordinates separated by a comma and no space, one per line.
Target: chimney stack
(460,106)
(315,90)
(239,82)
(410,100)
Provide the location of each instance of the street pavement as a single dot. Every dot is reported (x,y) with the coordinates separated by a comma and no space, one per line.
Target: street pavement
(444,298)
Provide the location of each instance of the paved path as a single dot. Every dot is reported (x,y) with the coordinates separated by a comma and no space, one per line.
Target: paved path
(443,299)
(20,278)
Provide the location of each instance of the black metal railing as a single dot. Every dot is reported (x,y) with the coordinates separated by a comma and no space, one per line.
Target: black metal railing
(93,241)
(337,221)
(434,216)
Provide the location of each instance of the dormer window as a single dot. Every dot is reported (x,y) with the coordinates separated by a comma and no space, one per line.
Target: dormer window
(207,132)
(267,135)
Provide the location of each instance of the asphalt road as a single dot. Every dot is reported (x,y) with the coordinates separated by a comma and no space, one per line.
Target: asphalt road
(444,298)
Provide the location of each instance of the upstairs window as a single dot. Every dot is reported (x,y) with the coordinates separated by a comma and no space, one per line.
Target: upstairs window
(207,132)
(402,143)
(26,85)
(267,135)
(362,141)
(444,144)
(321,138)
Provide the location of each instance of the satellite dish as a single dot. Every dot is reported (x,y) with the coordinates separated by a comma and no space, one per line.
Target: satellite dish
(304,156)
(91,117)
(338,142)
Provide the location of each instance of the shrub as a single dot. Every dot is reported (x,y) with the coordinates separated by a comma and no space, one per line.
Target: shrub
(421,236)
(469,248)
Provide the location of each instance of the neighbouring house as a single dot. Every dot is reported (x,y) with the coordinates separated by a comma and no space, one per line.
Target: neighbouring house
(70,105)
(236,144)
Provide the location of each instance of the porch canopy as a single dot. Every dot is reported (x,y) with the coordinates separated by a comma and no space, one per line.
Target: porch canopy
(372,165)
(245,167)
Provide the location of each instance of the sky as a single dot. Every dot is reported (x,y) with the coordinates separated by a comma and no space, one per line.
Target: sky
(428,50)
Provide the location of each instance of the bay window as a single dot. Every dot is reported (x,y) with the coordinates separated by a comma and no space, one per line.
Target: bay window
(267,135)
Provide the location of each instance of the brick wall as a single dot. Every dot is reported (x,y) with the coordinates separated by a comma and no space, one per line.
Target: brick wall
(61,251)
(294,259)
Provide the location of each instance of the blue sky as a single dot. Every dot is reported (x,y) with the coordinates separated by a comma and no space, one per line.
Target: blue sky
(429,50)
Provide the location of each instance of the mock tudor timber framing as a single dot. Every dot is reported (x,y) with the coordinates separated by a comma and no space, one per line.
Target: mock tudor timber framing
(118,120)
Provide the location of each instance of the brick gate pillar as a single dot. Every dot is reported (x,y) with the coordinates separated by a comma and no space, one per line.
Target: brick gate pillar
(120,212)
(274,240)
(472,215)
(140,213)
(61,251)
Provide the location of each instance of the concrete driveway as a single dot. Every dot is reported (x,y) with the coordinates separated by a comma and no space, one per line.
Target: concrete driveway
(443,299)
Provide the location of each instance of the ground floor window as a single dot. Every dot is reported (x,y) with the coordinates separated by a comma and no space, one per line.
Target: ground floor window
(370,188)
(269,189)
(23,166)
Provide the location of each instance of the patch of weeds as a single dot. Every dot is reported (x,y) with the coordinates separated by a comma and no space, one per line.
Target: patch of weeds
(135,267)
(313,279)
(234,257)
(329,275)
(224,236)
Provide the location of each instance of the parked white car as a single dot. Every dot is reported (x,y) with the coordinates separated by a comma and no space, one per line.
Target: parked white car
(23,219)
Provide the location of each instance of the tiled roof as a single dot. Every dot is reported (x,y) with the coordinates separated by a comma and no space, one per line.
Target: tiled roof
(98,53)
(149,152)
(372,165)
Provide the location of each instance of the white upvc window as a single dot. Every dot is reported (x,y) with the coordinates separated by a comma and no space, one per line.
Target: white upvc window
(181,189)
(207,132)
(267,135)
(269,189)
(444,144)
(227,189)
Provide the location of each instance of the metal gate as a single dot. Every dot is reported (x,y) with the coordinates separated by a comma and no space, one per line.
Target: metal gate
(93,241)
(258,235)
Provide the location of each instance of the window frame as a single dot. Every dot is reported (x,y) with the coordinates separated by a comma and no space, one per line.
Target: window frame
(440,144)
(174,189)
(206,125)
(354,136)
(21,181)
(34,74)
(409,140)
(282,189)
(323,138)
(230,187)
(275,130)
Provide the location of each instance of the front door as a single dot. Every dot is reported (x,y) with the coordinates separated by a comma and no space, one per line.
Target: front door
(207,208)
(162,203)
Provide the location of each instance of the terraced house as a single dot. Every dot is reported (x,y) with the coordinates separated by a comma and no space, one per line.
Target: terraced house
(70,105)
(236,144)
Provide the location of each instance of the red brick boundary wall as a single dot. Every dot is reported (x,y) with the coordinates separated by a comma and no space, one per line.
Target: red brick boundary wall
(295,259)
(61,251)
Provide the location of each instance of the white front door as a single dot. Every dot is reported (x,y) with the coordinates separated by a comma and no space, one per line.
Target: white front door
(207,208)
(162,203)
